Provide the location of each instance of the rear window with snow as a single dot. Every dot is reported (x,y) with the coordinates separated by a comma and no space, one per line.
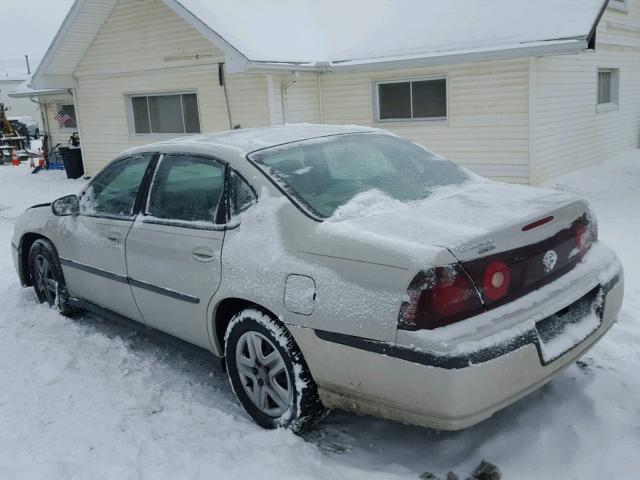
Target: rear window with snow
(324,174)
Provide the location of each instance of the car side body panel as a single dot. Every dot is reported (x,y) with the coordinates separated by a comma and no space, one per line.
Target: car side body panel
(174,272)
(92,253)
(353,295)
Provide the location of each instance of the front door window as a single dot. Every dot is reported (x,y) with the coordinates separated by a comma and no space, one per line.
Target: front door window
(113,192)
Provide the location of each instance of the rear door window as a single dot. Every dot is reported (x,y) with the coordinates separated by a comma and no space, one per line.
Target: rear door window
(186,189)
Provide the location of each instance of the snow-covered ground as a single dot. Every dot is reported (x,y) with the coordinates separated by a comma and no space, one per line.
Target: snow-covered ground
(85,398)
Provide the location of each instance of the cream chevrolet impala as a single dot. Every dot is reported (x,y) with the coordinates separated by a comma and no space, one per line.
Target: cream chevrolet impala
(333,267)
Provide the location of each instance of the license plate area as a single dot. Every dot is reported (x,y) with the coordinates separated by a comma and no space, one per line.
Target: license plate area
(568,327)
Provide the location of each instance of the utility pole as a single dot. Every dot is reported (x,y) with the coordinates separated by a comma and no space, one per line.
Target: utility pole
(28,66)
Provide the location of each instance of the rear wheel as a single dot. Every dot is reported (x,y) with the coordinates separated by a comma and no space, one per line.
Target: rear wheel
(268,373)
(47,277)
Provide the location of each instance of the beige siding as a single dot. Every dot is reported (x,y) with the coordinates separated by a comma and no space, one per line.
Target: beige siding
(569,132)
(89,15)
(301,100)
(487,125)
(145,48)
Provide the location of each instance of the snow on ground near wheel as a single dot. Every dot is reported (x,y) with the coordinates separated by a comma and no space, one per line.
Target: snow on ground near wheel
(85,398)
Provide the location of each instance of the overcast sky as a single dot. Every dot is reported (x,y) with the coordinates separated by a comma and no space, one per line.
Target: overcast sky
(28,26)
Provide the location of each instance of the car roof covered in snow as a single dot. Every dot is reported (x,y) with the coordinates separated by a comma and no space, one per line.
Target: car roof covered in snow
(251,139)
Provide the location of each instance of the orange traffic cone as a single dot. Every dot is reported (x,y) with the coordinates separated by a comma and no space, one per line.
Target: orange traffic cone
(14,158)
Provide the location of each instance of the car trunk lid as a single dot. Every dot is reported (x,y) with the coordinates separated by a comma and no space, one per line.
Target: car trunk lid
(487,224)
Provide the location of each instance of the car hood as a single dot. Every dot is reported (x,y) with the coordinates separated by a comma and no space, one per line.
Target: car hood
(472,220)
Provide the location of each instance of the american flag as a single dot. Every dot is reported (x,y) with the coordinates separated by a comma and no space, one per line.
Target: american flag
(62,117)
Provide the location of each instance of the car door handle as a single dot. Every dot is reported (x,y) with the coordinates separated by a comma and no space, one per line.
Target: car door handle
(114,239)
(203,254)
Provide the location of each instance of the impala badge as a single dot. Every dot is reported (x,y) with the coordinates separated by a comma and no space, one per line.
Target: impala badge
(549,261)
(482,246)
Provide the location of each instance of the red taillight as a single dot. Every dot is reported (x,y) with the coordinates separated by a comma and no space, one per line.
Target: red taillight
(586,234)
(496,280)
(581,236)
(437,297)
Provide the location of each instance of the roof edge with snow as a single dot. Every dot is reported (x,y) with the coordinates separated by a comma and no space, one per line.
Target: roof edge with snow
(241,61)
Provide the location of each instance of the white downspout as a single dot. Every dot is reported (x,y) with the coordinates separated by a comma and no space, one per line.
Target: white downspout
(324,68)
(283,92)
(271,100)
(74,92)
(320,99)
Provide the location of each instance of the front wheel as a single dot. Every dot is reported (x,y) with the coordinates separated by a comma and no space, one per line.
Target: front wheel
(47,277)
(268,373)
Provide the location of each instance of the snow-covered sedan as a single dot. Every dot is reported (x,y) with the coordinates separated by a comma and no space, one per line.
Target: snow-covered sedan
(333,267)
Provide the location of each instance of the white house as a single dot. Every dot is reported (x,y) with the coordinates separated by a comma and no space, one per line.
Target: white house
(20,107)
(513,89)
(50,102)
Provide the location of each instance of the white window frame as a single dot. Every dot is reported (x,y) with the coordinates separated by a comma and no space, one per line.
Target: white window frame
(59,106)
(619,5)
(128,100)
(376,100)
(614,104)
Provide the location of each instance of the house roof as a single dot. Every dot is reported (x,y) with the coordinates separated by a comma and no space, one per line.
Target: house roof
(25,90)
(353,34)
(337,31)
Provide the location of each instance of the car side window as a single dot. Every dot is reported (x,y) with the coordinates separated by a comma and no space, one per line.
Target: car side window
(186,189)
(113,192)
(241,196)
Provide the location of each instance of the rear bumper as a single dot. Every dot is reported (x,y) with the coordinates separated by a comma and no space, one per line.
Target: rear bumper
(455,390)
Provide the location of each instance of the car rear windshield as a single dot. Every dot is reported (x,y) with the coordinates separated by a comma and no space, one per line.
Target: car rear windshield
(323,174)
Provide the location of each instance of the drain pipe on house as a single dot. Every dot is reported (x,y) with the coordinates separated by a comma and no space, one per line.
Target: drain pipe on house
(324,68)
(295,76)
(223,83)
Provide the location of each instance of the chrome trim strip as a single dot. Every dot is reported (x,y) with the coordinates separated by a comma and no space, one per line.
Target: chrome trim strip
(163,291)
(128,280)
(96,271)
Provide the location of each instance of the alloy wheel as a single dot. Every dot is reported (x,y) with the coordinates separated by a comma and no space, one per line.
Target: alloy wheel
(44,279)
(263,374)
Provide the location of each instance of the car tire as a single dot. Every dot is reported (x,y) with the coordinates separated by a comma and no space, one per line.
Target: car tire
(47,277)
(269,374)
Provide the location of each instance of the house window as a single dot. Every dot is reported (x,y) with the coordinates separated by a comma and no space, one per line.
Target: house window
(165,114)
(66,116)
(619,5)
(413,99)
(608,88)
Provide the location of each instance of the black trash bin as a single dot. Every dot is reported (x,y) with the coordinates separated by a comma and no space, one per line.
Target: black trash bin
(72,158)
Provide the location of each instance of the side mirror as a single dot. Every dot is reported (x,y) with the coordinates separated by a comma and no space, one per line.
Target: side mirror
(65,206)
